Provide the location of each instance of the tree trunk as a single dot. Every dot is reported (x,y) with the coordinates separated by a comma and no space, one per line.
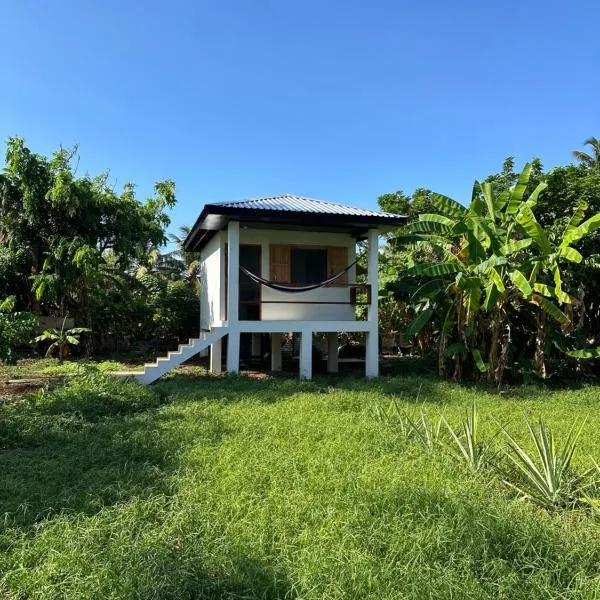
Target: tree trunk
(442,355)
(494,343)
(539,356)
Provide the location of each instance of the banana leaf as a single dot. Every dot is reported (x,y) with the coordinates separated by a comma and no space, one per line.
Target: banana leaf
(448,206)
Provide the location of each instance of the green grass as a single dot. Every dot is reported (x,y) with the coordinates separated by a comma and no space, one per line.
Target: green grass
(237,488)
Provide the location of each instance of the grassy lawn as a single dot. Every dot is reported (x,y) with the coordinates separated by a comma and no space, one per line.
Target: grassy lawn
(203,487)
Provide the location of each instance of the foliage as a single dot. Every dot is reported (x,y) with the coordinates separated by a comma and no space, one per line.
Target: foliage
(64,238)
(550,480)
(16,329)
(468,443)
(61,340)
(490,262)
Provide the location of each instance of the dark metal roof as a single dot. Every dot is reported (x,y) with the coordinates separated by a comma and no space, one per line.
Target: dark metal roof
(291,203)
(287,211)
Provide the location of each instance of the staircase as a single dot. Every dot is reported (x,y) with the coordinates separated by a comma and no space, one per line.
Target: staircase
(155,370)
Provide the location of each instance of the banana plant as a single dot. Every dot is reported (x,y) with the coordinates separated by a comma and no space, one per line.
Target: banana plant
(494,254)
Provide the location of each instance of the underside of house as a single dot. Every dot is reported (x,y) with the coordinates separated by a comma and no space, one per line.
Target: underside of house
(280,265)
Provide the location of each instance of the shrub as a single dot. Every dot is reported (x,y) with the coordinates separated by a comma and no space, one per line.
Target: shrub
(16,329)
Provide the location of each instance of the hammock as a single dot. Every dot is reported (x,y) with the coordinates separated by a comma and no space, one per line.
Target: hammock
(294,289)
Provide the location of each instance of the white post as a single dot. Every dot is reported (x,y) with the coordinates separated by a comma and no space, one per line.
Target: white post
(276,363)
(233,280)
(306,355)
(332,352)
(215,357)
(372,342)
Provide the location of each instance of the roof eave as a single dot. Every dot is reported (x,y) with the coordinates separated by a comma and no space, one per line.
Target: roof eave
(284,217)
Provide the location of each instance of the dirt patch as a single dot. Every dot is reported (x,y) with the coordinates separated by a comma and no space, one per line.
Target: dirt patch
(15,388)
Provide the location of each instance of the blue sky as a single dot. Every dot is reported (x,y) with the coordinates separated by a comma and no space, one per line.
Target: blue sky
(335,100)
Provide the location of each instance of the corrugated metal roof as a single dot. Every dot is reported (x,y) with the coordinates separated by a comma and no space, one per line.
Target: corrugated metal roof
(291,203)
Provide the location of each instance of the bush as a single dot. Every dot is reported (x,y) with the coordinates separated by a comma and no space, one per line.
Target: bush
(16,329)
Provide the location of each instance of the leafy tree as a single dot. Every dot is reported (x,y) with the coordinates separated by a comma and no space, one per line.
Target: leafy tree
(496,260)
(590,161)
(65,237)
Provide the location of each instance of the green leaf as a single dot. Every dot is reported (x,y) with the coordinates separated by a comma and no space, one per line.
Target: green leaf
(517,192)
(581,231)
(474,298)
(486,190)
(558,291)
(501,200)
(455,348)
(8,304)
(430,227)
(482,366)
(545,290)
(533,198)
(551,309)
(436,269)
(492,261)
(420,322)
(491,297)
(570,254)
(429,288)
(521,282)
(515,246)
(527,220)
(576,219)
(435,218)
(475,249)
(447,206)
(589,353)
(495,277)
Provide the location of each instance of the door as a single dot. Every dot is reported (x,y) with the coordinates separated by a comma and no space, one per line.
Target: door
(250,292)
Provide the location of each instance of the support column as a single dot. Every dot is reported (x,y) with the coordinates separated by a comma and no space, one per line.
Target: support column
(216,357)
(233,281)
(372,354)
(233,272)
(372,341)
(276,363)
(306,355)
(255,345)
(233,351)
(332,352)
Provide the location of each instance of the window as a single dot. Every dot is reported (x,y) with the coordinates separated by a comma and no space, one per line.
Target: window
(308,266)
(304,265)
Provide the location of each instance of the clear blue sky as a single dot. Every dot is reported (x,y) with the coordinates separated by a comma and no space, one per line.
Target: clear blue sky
(340,100)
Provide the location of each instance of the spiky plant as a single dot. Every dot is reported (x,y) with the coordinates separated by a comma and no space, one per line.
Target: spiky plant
(548,478)
(468,444)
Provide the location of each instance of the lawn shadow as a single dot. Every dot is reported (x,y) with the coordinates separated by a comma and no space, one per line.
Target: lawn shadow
(64,463)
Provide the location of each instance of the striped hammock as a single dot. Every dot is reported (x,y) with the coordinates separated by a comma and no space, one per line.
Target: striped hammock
(294,289)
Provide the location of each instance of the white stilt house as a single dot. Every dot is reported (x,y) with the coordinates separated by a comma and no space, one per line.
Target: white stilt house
(277,265)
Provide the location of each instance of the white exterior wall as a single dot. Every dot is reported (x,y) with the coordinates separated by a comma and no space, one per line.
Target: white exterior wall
(212,279)
(303,312)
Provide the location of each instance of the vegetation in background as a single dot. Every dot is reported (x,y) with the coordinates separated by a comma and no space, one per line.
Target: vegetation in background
(16,329)
(72,245)
(61,340)
(508,285)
